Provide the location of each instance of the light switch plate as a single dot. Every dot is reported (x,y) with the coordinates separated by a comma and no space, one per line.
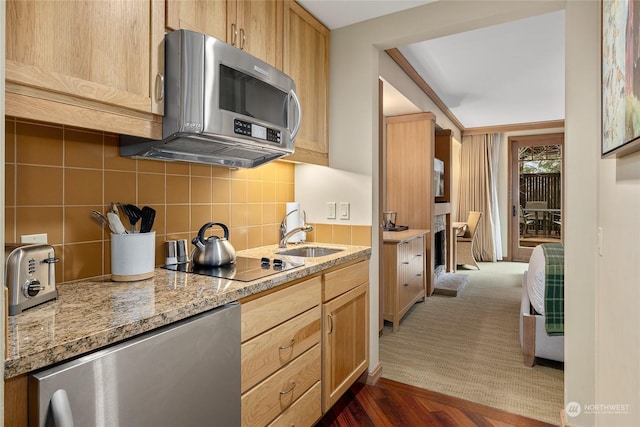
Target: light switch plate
(34,238)
(344,210)
(331,210)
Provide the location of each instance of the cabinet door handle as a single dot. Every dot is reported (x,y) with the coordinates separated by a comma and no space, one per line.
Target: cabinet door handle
(284,347)
(159,87)
(289,390)
(243,38)
(405,262)
(406,284)
(330,323)
(234,34)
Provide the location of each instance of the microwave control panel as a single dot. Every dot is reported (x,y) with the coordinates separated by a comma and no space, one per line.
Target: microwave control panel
(256,131)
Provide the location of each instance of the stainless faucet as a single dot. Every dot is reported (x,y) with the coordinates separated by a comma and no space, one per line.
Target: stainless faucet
(284,236)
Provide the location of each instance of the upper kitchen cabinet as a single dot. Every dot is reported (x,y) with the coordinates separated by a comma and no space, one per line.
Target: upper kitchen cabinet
(91,64)
(253,26)
(306,60)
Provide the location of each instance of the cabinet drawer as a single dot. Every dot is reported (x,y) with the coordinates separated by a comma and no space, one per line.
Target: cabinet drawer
(417,245)
(340,281)
(268,311)
(268,352)
(268,399)
(304,412)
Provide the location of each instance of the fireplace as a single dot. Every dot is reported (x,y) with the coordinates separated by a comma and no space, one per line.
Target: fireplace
(440,245)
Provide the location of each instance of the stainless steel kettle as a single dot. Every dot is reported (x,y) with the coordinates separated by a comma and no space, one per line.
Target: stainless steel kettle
(213,251)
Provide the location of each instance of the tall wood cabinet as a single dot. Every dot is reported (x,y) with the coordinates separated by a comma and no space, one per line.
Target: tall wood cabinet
(409,171)
(306,60)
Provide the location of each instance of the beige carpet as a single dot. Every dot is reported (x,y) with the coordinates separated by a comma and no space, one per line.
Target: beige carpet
(469,347)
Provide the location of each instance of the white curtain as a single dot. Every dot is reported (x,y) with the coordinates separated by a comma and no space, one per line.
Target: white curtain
(478,191)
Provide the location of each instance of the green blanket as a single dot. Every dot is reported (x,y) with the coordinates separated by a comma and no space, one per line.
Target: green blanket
(554,288)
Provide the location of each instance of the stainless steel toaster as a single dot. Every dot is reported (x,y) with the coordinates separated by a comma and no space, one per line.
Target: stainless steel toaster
(30,275)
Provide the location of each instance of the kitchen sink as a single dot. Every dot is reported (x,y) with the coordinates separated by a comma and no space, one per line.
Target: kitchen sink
(309,251)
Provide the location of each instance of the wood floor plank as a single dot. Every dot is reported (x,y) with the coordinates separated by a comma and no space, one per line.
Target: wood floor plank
(391,404)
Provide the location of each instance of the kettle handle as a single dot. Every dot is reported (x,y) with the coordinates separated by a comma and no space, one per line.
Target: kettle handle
(200,239)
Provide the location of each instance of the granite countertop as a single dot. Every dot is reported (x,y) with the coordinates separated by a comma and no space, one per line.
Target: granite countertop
(91,314)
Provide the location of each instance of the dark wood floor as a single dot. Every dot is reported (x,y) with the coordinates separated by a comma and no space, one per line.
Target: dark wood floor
(390,403)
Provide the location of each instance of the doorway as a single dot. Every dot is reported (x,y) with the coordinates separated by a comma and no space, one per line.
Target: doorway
(536,189)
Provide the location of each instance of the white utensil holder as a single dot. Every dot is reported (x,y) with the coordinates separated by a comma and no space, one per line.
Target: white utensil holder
(133,256)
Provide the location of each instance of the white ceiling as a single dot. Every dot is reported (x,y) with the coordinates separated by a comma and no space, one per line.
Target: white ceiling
(506,74)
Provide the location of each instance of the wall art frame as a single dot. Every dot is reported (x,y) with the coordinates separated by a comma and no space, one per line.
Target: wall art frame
(620,53)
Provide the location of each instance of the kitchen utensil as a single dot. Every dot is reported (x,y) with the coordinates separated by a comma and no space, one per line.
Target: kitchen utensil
(213,251)
(30,275)
(181,250)
(148,215)
(133,213)
(102,219)
(115,224)
(133,256)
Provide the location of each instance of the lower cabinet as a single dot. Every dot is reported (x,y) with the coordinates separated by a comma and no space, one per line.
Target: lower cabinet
(404,279)
(345,330)
(281,356)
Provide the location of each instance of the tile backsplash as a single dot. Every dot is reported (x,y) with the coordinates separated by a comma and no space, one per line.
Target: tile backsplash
(55,175)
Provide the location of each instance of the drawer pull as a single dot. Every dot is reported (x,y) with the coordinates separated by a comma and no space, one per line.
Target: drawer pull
(419,274)
(405,262)
(284,347)
(289,390)
(406,284)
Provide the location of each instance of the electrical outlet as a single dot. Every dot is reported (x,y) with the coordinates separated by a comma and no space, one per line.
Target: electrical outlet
(34,238)
(331,210)
(344,210)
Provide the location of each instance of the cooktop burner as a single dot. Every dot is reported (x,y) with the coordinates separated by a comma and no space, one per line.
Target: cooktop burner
(243,269)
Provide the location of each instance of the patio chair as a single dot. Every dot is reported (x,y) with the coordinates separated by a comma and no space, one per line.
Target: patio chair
(526,219)
(464,246)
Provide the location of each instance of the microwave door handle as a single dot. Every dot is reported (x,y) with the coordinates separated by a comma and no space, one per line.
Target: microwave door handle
(296,128)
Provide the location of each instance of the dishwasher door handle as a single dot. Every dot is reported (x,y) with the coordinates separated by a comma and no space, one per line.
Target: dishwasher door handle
(61,409)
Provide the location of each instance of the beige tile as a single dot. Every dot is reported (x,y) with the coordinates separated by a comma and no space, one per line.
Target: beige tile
(82,149)
(200,170)
(30,182)
(342,234)
(221,190)
(254,237)
(269,214)
(254,214)
(58,251)
(220,172)
(119,187)
(285,172)
(151,189)
(177,189)
(151,166)
(10,225)
(112,158)
(82,187)
(285,193)
(239,238)
(200,215)
(38,219)
(254,191)
(270,234)
(361,235)
(239,215)
(240,174)
(10,140)
(178,168)
(200,189)
(178,218)
(255,174)
(38,144)
(269,172)
(238,191)
(221,213)
(82,260)
(159,223)
(80,227)
(10,184)
(268,192)
(323,233)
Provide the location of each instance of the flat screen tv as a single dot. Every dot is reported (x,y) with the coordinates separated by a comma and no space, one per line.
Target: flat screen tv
(438,177)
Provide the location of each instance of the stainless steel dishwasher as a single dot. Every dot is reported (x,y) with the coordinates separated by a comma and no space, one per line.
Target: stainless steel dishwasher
(185,374)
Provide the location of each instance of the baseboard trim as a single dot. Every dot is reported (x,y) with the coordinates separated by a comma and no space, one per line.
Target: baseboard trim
(374,375)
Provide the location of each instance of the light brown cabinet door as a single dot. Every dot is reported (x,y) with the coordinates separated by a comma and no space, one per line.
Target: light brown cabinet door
(260,26)
(202,16)
(306,60)
(84,63)
(345,342)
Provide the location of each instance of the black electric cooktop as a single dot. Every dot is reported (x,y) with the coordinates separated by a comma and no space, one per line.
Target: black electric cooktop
(243,269)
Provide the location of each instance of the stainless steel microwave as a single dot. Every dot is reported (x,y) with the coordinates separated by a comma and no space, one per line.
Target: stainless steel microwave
(222,106)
